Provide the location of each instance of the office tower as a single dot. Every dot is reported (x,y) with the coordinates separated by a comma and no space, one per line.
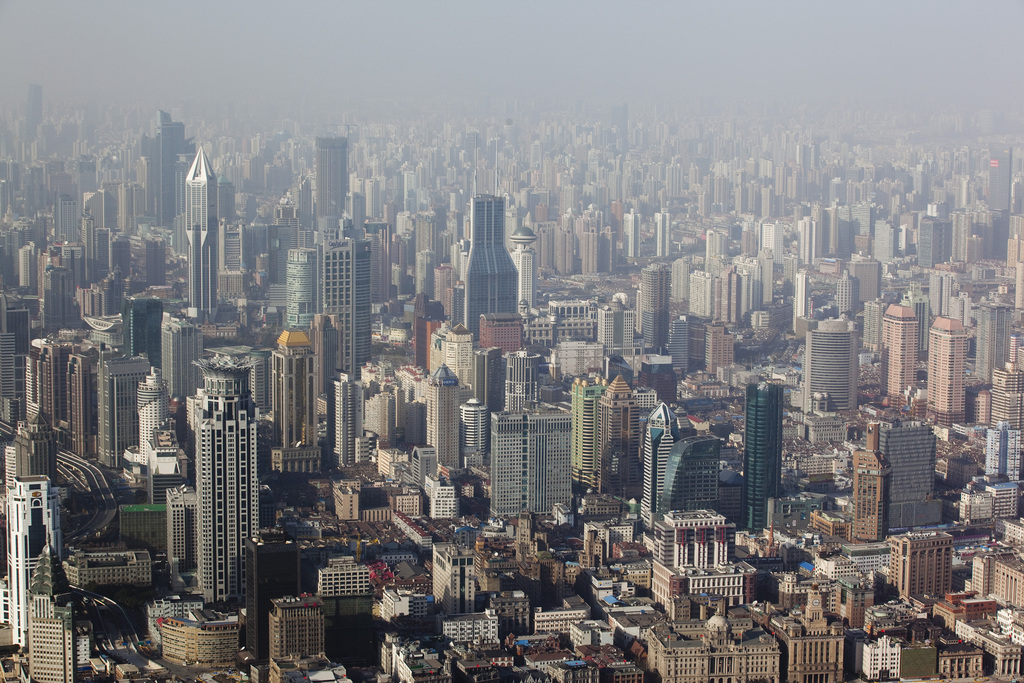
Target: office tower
(934,242)
(474,430)
(656,373)
(164,152)
(444,396)
(718,347)
(154,408)
(873,312)
(631,235)
(652,302)
(296,627)
(1002,452)
(142,320)
(662,234)
(33,523)
(921,563)
(530,461)
(344,292)
(618,439)
(697,539)
(226,484)
(947,353)
(293,400)
(716,245)
(762,452)
(331,168)
(830,365)
(58,308)
(909,448)
(899,350)
(504,330)
(81,384)
(182,508)
(809,240)
(660,435)
(324,335)
(1000,178)
(616,325)
(868,274)
(525,259)
(680,279)
(678,347)
(46,379)
(941,288)
(181,345)
(117,409)
(992,339)
(490,274)
(33,111)
(35,448)
(522,380)
(66,219)
(271,572)
(489,378)
(426,261)
(348,421)
(916,299)
(454,579)
(691,475)
(301,288)
(801,296)
(884,245)
(847,293)
(226,200)
(702,290)
(871,480)
(586,455)
(52,657)
(14,350)
(1008,395)
(201,231)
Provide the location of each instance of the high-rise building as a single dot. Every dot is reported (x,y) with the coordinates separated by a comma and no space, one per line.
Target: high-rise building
(490,274)
(618,443)
(201,228)
(348,421)
(873,312)
(1000,178)
(847,293)
(586,456)
(522,380)
(525,259)
(271,572)
(762,452)
(454,579)
(680,279)
(934,242)
(691,475)
(296,627)
(662,234)
(474,430)
(33,523)
(46,379)
(899,350)
(1008,395)
(182,509)
(921,563)
(58,308)
(331,168)
(324,335)
(947,353)
(631,235)
(226,477)
(33,111)
(141,320)
(653,305)
(35,449)
(489,378)
(66,219)
(1002,452)
(181,346)
(831,366)
(918,301)
(530,461)
(871,480)
(800,295)
(678,347)
(660,435)
(117,408)
(154,408)
(52,657)
(301,288)
(344,292)
(992,338)
(82,403)
(14,350)
(293,402)
(719,347)
(909,448)
(444,396)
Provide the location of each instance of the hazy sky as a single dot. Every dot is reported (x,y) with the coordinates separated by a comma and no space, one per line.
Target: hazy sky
(186,50)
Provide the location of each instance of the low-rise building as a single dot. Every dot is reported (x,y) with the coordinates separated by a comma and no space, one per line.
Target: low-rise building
(110,568)
(719,651)
(205,638)
(481,627)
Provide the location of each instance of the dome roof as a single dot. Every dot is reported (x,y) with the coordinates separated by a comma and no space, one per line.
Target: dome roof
(718,624)
(523,235)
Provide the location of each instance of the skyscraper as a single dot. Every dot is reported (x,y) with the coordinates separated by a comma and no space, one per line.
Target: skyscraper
(1008,395)
(348,420)
(947,352)
(490,274)
(871,479)
(909,448)
(344,292)
(847,293)
(226,477)
(154,409)
(662,234)
(660,435)
(618,442)
(1000,178)
(35,449)
(916,300)
(293,401)
(474,430)
(454,579)
(691,475)
(301,288)
(762,452)
(141,320)
(530,454)
(444,396)
(52,657)
(181,345)
(655,287)
(82,403)
(331,168)
(830,365)
(525,260)
(14,349)
(522,379)
(992,338)
(58,308)
(586,456)
(33,523)
(1002,452)
(899,350)
(271,572)
(117,409)
(201,230)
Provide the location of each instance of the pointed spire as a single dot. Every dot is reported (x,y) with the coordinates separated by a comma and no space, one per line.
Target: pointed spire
(201,169)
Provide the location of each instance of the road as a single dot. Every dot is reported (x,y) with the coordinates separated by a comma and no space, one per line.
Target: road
(89,475)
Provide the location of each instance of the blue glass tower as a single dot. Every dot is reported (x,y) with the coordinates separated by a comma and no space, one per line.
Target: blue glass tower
(762,456)
(490,276)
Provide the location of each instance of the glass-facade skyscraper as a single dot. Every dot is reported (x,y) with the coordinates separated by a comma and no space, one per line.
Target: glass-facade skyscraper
(491,277)
(762,456)
(691,476)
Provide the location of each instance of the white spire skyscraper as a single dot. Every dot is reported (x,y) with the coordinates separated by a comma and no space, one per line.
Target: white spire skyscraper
(33,523)
(660,435)
(226,478)
(525,259)
(201,230)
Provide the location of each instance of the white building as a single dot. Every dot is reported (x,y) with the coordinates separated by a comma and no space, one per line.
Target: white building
(880,659)
(482,627)
(201,228)
(537,444)
(342,576)
(33,523)
(444,503)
